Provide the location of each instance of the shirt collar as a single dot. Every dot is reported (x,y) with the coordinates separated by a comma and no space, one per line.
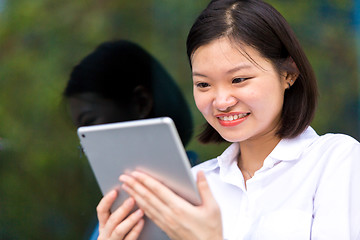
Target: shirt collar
(285,150)
(229,171)
(291,149)
(229,155)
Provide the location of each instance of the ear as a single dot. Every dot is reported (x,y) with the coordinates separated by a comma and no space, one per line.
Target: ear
(290,79)
(291,73)
(143,101)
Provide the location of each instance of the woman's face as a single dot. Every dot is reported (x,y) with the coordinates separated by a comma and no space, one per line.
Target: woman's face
(241,99)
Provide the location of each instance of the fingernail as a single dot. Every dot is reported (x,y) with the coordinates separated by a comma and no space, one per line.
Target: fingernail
(135,174)
(123,178)
(124,187)
(112,193)
(129,202)
(139,212)
(201,175)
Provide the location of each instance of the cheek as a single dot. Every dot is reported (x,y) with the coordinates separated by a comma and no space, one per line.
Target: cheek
(272,102)
(202,102)
(253,98)
(264,101)
(198,101)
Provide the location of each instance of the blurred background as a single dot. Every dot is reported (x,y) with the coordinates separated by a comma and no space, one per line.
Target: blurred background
(47,190)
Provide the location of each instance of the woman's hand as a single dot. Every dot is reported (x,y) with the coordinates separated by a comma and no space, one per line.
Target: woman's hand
(174,215)
(119,225)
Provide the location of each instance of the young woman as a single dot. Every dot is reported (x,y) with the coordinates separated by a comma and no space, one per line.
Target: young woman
(279,179)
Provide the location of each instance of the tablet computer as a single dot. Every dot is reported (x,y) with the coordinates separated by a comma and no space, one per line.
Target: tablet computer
(152,146)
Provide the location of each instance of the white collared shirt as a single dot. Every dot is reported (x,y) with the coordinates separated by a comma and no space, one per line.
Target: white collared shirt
(307,188)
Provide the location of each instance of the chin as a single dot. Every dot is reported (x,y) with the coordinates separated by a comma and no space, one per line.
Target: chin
(232,138)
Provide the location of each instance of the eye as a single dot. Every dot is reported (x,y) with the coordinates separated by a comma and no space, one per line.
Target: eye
(202,85)
(239,80)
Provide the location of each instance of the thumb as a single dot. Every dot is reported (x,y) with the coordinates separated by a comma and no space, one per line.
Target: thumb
(204,189)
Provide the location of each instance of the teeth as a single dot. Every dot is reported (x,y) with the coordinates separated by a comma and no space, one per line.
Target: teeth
(233,117)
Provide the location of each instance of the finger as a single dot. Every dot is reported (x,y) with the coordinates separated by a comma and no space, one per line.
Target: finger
(119,215)
(204,189)
(135,232)
(128,225)
(156,213)
(203,186)
(161,212)
(103,208)
(145,199)
(166,195)
(155,209)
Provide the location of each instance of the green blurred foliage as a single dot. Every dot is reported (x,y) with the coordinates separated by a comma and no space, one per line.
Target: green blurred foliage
(327,32)
(47,191)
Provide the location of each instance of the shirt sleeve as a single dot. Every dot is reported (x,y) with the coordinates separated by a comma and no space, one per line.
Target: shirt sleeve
(337,199)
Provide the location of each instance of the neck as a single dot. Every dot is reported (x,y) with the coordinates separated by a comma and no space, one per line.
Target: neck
(254,152)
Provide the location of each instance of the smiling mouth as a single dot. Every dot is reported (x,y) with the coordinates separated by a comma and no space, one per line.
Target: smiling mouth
(233,117)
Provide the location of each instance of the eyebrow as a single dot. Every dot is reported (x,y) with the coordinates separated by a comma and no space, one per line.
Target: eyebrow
(232,70)
(240,67)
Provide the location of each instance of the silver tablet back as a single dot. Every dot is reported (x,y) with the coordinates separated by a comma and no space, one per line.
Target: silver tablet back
(152,146)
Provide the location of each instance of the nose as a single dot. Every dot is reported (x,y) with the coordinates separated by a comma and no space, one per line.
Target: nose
(224,101)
